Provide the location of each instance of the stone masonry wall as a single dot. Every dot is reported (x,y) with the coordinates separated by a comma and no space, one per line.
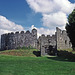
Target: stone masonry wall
(55,42)
(15,40)
(63,41)
(45,43)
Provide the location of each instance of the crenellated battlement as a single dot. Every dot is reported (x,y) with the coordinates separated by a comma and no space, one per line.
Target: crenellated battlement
(18,39)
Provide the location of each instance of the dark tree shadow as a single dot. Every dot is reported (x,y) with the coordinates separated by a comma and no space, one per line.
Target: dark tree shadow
(64,56)
(37,53)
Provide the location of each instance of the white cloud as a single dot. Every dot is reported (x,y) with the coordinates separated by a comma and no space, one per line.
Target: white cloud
(42,6)
(65,6)
(54,12)
(54,20)
(45,31)
(32,27)
(8,26)
(42,30)
(50,6)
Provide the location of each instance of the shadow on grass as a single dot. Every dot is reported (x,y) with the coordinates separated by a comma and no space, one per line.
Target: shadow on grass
(64,56)
(37,53)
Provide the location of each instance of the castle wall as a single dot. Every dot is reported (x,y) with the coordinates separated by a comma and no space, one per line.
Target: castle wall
(63,41)
(46,44)
(34,34)
(3,44)
(15,40)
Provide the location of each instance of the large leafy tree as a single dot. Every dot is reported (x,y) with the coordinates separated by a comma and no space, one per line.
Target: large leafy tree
(70,28)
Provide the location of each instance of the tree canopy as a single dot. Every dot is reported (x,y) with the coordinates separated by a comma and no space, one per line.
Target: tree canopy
(70,27)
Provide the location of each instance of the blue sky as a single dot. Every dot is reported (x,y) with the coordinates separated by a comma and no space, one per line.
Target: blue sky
(45,15)
(19,12)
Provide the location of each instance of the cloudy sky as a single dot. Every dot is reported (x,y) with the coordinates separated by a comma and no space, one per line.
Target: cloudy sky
(45,15)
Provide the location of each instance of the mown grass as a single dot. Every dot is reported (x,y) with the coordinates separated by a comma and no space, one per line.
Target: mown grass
(20,65)
(23,61)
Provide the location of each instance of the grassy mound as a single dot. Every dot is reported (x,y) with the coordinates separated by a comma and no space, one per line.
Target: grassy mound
(28,52)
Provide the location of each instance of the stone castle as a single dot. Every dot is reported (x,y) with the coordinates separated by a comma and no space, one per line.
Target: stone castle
(15,40)
(46,44)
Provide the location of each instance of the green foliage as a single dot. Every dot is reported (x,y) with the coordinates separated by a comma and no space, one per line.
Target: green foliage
(71,18)
(12,65)
(70,27)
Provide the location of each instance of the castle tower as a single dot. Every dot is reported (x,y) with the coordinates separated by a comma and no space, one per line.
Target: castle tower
(11,41)
(63,41)
(34,34)
(3,41)
(17,39)
(59,38)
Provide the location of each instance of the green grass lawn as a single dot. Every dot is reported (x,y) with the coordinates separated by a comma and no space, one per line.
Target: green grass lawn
(20,65)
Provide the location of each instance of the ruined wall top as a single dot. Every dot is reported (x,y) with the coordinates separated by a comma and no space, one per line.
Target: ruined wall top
(22,32)
(60,31)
